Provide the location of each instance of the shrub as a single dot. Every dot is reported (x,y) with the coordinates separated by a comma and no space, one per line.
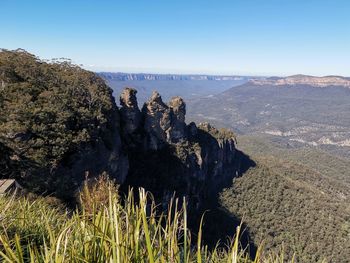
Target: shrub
(95,193)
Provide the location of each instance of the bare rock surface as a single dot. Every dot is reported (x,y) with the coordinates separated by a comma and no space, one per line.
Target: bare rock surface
(168,155)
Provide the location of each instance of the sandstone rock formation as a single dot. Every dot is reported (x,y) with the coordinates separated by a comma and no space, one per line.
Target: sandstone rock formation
(164,123)
(178,125)
(167,155)
(157,116)
(73,126)
(129,111)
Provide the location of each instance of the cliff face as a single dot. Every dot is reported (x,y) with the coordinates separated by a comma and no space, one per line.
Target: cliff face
(59,122)
(166,155)
(145,76)
(163,123)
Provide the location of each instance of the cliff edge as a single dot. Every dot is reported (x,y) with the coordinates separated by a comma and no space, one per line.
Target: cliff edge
(60,123)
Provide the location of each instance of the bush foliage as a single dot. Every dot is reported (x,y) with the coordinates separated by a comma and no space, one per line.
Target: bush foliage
(49,110)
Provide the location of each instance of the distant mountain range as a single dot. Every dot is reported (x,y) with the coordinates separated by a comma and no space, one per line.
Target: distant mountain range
(147,76)
(274,81)
(300,110)
(304,80)
(170,85)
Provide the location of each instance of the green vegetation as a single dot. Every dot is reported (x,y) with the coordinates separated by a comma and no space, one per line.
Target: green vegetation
(50,113)
(105,231)
(48,110)
(58,121)
(330,166)
(220,134)
(294,198)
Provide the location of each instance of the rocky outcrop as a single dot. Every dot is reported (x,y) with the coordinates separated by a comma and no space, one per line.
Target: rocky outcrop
(167,155)
(164,123)
(177,130)
(157,122)
(129,111)
(172,159)
(131,117)
(74,127)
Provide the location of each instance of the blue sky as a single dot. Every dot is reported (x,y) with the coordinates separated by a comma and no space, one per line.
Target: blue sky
(256,37)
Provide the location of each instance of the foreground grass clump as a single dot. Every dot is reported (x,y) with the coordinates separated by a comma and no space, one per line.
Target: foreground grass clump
(109,231)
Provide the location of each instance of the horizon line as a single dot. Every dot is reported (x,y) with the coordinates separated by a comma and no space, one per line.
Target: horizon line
(220,75)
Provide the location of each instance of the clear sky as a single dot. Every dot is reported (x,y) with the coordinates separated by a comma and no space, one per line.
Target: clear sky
(261,37)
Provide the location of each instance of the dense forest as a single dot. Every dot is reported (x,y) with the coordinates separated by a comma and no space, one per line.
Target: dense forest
(297,198)
(51,115)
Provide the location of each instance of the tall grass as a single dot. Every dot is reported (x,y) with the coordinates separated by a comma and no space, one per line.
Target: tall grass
(109,231)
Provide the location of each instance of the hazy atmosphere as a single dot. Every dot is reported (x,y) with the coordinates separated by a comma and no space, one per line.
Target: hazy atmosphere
(251,37)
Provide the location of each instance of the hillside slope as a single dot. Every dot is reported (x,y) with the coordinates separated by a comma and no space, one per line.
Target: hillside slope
(295,199)
(300,114)
(58,122)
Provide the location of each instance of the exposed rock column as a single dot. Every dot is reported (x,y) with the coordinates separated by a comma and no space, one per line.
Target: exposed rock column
(130,117)
(157,121)
(177,131)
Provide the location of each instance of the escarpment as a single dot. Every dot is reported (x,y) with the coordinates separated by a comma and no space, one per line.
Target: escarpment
(170,158)
(59,123)
(167,155)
